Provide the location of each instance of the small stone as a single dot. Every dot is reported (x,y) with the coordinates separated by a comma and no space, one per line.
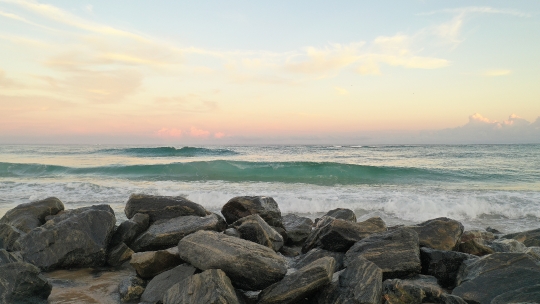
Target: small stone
(232,232)
(150,263)
(131,288)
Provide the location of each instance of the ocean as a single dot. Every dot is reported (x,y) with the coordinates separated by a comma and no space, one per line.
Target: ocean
(479,185)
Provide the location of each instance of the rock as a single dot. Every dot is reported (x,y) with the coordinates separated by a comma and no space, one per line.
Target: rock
(300,284)
(529,294)
(473,246)
(483,279)
(150,263)
(343,214)
(440,233)
(250,266)
(9,257)
(443,265)
(131,288)
(232,232)
(507,245)
(241,206)
(529,238)
(167,233)
(339,235)
(420,289)
(290,251)
(158,286)
(210,286)
(130,229)
(76,238)
(119,254)
(493,230)
(298,228)
(162,207)
(396,252)
(451,299)
(534,252)
(479,235)
(26,217)
(318,253)
(254,228)
(22,283)
(281,232)
(9,236)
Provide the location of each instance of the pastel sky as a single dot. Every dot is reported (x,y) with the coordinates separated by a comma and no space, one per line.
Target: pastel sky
(182,72)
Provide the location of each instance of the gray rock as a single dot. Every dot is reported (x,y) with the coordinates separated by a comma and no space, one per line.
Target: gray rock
(396,252)
(119,254)
(530,238)
(210,286)
(250,266)
(475,247)
(483,279)
(131,288)
(443,265)
(343,214)
(158,286)
(529,294)
(480,235)
(22,283)
(9,257)
(26,217)
(130,229)
(451,299)
(162,207)
(419,289)
(533,252)
(318,253)
(254,228)
(493,230)
(167,233)
(440,233)
(9,236)
(76,238)
(241,206)
(507,245)
(300,284)
(150,263)
(232,232)
(298,228)
(290,251)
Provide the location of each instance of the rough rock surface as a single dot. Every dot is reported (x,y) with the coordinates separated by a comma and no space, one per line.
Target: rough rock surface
(254,228)
(396,252)
(250,266)
(150,263)
(74,238)
(440,233)
(119,254)
(9,236)
(443,265)
(130,229)
(343,214)
(534,252)
(298,228)
(530,238)
(210,286)
(507,245)
(22,283)
(26,217)
(419,289)
(483,279)
(9,257)
(131,288)
(523,295)
(162,207)
(318,253)
(158,286)
(167,233)
(475,247)
(241,206)
(232,232)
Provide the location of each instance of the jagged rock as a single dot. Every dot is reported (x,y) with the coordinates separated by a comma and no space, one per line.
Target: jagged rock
(443,265)
(419,289)
(9,236)
(290,251)
(493,230)
(22,283)
(158,286)
(507,245)
(451,299)
(241,206)
(254,228)
(250,266)
(318,253)
(483,279)
(473,246)
(343,214)
(210,286)
(529,294)
(9,257)
(150,263)
(300,284)
(232,232)
(167,233)
(74,238)
(298,228)
(26,217)
(339,235)
(533,252)
(119,254)
(440,233)
(162,207)
(130,229)
(530,238)
(281,232)
(131,288)
(479,235)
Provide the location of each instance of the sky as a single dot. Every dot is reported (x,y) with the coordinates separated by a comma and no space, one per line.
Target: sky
(241,72)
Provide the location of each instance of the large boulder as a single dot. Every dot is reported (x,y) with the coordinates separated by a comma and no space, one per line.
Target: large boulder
(151,263)
(443,265)
(300,284)
(298,228)
(342,213)
(130,229)
(396,252)
(318,253)
(22,283)
(26,217)
(158,286)
(475,247)
(523,295)
(118,254)
(241,206)
(162,207)
(507,245)
(166,233)
(483,279)
(339,235)
(440,233)
(418,289)
(9,236)
(250,266)
(254,228)
(74,238)
(530,238)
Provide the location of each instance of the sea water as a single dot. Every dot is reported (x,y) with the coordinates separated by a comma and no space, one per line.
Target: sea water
(479,185)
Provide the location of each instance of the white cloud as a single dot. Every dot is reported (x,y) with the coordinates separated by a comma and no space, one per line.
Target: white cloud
(495,73)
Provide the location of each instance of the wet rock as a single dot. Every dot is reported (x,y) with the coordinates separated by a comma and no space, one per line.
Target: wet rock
(9,236)
(420,289)
(254,228)
(533,252)
(529,294)
(250,266)
(158,286)
(493,230)
(26,217)
(241,206)
(162,207)
(507,245)
(22,283)
(119,254)
(396,252)
(343,214)
(300,284)
(150,263)
(298,228)
(473,246)
(443,265)
(479,235)
(210,286)
(529,238)
(318,253)
(440,233)
(232,232)
(130,229)
(131,288)
(167,233)
(9,257)
(76,238)
(483,279)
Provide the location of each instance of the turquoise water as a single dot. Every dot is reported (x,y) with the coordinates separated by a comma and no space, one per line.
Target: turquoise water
(481,185)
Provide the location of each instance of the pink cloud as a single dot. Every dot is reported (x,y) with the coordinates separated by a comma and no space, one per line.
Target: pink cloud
(166,132)
(199,132)
(219,135)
